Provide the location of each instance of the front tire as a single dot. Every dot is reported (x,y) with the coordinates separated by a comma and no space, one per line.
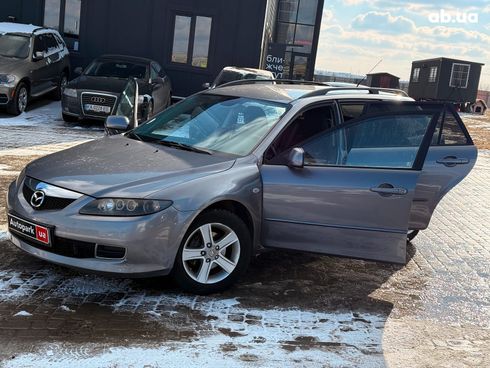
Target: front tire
(21,96)
(214,253)
(69,118)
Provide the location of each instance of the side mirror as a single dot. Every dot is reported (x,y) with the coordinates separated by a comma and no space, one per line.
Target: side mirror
(115,124)
(296,158)
(38,55)
(206,85)
(78,70)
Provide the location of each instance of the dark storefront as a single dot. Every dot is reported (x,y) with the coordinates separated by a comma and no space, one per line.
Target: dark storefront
(192,39)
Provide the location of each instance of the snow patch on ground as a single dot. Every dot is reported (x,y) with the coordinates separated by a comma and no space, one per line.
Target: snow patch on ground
(15,285)
(46,114)
(64,308)
(22,314)
(4,235)
(223,330)
(204,353)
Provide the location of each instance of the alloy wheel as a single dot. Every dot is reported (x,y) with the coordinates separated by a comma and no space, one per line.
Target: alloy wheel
(22,99)
(211,253)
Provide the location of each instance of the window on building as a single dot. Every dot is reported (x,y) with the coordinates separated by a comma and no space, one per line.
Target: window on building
(52,9)
(72,17)
(460,74)
(433,74)
(182,33)
(192,36)
(64,15)
(201,42)
(307,11)
(288,11)
(415,74)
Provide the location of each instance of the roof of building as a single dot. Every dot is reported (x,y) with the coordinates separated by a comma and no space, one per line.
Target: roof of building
(6,27)
(384,73)
(445,58)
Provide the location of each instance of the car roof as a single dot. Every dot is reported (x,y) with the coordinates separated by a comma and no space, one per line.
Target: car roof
(288,93)
(128,58)
(27,29)
(247,70)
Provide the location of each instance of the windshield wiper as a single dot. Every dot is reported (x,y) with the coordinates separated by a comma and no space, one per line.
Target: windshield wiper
(184,146)
(133,134)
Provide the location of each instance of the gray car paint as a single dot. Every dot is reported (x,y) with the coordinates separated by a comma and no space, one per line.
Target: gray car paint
(277,198)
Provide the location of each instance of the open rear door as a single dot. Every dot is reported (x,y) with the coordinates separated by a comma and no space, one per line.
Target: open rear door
(450,159)
(354,195)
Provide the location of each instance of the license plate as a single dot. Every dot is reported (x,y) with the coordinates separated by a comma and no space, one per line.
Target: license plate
(39,233)
(98,108)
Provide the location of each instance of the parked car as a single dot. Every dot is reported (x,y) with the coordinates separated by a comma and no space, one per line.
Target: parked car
(231,73)
(96,93)
(34,61)
(199,189)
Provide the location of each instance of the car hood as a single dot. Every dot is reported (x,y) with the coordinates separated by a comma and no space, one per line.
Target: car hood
(113,85)
(9,65)
(121,167)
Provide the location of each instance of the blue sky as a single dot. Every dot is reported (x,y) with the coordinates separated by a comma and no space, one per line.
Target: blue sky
(356,34)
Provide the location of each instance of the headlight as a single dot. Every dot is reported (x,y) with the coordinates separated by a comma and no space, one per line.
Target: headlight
(124,207)
(70,92)
(7,80)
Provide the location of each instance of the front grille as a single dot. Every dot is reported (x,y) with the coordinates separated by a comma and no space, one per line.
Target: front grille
(3,98)
(106,251)
(64,247)
(50,203)
(100,100)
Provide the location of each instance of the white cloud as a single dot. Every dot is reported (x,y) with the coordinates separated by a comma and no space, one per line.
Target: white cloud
(351,42)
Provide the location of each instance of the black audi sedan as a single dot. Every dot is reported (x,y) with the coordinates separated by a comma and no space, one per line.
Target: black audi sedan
(100,88)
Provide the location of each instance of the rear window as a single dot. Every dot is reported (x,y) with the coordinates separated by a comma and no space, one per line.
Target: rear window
(352,110)
(116,69)
(449,132)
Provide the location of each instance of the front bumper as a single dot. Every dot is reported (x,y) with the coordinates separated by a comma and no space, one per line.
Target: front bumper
(6,95)
(151,242)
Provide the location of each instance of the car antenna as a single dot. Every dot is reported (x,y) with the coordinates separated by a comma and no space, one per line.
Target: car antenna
(374,67)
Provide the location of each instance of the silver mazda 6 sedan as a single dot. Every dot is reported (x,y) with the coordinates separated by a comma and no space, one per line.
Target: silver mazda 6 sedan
(199,189)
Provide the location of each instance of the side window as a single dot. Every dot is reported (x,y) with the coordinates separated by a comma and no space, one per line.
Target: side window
(391,141)
(306,126)
(154,71)
(448,132)
(51,43)
(39,44)
(352,110)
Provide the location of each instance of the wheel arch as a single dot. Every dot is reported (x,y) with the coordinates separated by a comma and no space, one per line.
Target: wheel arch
(236,207)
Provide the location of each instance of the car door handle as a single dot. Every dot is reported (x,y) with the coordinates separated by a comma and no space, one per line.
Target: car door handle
(388,190)
(453,161)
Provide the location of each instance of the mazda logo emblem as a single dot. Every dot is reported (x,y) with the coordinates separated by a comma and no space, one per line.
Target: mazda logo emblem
(37,198)
(98,99)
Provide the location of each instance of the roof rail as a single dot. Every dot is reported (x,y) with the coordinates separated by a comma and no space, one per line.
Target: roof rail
(272,81)
(371,91)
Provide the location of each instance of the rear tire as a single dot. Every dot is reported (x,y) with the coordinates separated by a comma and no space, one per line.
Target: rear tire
(214,253)
(21,97)
(69,118)
(58,92)
(412,234)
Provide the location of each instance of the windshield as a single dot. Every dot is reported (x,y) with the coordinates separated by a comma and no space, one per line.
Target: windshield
(233,125)
(14,46)
(115,69)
